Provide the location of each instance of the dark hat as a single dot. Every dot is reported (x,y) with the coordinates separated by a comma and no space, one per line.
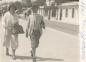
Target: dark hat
(12,5)
(34,6)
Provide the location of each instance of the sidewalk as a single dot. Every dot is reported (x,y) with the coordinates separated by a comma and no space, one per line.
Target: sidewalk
(55,46)
(64,27)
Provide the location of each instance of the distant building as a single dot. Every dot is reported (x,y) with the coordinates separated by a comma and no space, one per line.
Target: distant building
(65,12)
(50,2)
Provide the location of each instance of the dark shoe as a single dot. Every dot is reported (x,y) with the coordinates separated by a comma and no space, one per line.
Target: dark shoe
(31,54)
(7,54)
(7,51)
(14,57)
(34,60)
(33,57)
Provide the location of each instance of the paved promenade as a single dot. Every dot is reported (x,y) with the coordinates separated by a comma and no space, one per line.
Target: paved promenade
(55,46)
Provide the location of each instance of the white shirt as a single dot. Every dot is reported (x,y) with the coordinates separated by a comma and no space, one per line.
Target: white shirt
(8,20)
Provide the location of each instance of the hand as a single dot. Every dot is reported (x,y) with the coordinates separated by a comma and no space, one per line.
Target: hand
(43,27)
(27,33)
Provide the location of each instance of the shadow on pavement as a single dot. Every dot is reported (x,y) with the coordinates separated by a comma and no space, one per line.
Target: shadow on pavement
(49,59)
(38,58)
(64,27)
(23,57)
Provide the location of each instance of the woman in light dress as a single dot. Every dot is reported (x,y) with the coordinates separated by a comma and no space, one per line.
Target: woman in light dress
(8,20)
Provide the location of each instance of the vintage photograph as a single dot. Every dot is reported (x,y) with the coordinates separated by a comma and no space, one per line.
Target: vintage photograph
(39,31)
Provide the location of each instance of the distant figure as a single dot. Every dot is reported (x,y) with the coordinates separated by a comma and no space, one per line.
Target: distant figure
(8,20)
(34,29)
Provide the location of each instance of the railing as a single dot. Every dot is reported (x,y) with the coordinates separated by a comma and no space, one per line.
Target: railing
(68,14)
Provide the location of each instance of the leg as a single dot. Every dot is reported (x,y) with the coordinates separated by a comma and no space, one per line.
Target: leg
(14,44)
(34,48)
(35,41)
(31,53)
(34,60)
(13,50)
(34,54)
(7,51)
(7,40)
(33,45)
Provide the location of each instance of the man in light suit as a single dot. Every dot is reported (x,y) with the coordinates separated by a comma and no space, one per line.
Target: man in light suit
(34,29)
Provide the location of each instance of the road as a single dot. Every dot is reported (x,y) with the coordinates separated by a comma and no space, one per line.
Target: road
(55,46)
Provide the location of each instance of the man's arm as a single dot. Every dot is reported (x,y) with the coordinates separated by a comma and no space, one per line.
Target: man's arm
(43,23)
(28,25)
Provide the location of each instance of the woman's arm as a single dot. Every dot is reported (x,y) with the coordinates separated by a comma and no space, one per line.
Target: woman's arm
(27,28)
(4,24)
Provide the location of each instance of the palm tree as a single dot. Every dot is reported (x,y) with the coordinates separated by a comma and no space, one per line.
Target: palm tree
(33,2)
(26,3)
